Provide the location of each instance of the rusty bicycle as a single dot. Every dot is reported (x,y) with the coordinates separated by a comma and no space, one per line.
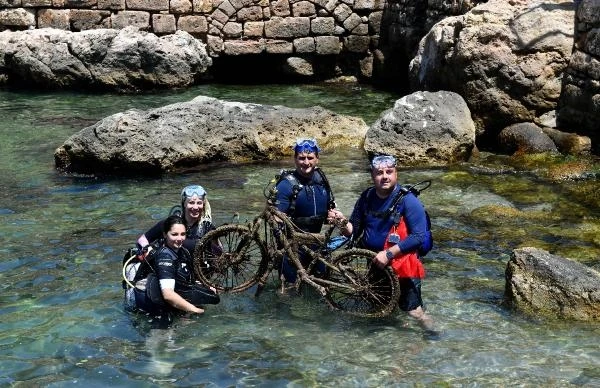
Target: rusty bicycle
(247,254)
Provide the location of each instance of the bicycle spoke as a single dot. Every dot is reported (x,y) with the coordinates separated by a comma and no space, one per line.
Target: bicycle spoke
(230,258)
(362,289)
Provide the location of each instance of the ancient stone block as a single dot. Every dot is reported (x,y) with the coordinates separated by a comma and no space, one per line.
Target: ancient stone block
(278,46)
(349,3)
(366,66)
(220,16)
(61,3)
(111,4)
(368,5)
(202,6)
(254,29)
(357,44)
(195,25)
(54,18)
(327,45)
(237,4)
(291,27)
(361,29)
(322,26)
(10,3)
(148,5)
(341,12)
(280,8)
(37,3)
(232,30)
(266,12)
(330,5)
(253,13)
(299,66)
(214,45)
(226,8)
(375,21)
(243,47)
(303,8)
(320,3)
(304,45)
(215,27)
(81,3)
(87,19)
(123,19)
(352,21)
(178,7)
(163,23)
(18,17)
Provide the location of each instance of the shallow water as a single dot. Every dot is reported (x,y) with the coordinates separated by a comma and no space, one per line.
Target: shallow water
(63,238)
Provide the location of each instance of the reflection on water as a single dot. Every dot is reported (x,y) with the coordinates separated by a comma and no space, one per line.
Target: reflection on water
(63,238)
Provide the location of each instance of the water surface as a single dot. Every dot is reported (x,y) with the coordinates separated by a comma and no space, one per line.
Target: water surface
(63,239)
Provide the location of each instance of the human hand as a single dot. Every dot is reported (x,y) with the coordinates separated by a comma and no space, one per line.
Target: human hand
(334,216)
(380,260)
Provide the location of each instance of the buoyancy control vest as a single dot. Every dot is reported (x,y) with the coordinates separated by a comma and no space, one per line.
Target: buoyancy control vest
(319,179)
(393,212)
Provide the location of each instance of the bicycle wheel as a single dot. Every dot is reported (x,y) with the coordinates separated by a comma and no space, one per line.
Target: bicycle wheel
(230,258)
(364,290)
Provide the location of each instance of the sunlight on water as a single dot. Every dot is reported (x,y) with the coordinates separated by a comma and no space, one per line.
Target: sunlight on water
(63,239)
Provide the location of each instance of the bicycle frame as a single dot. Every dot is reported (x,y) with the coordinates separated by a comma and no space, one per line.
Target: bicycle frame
(250,252)
(282,236)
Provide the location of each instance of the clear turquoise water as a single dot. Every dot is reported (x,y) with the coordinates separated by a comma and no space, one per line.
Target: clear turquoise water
(63,237)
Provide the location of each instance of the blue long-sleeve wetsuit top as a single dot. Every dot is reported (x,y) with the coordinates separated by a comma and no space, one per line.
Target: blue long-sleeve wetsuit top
(311,204)
(367,218)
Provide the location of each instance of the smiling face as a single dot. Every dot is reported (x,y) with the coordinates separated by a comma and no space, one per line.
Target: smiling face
(193,207)
(174,236)
(306,163)
(384,179)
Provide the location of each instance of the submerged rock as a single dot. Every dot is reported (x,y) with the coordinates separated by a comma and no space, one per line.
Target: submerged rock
(102,59)
(200,131)
(540,283)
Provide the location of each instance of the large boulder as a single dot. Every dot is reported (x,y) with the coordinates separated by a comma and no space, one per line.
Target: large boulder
(579,106)
(103,59)
(424,128)
(200,131)
(506,58)
(539,283)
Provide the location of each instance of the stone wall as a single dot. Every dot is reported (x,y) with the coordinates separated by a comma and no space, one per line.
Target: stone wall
(228,27)
(303,34)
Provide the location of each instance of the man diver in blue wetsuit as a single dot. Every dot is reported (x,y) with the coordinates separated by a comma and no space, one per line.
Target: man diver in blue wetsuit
(375,213)
(305,196)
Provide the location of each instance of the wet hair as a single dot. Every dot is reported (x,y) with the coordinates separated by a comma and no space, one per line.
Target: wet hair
(170,221)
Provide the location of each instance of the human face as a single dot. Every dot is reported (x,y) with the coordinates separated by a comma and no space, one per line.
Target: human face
(193,208)
(175,236)
(384,179)
(306,163)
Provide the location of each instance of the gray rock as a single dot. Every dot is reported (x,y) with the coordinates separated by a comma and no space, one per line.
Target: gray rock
(121,60)
(200,131)
(539,283)
(525,138)
(506,58)
(424,128)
